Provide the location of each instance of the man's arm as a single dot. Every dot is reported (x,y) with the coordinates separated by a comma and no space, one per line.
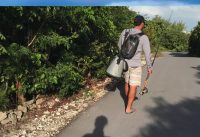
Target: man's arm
(147,52)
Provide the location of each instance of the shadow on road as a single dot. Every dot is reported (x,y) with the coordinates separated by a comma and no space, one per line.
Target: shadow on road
(120,86)
(173,120)
(100,124)
(197,73)
(180,54)
(117,84)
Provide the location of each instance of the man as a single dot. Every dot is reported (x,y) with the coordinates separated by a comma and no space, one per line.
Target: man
(134,73)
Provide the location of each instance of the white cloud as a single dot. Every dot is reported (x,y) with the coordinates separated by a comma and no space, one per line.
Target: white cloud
(189,15)
(150,10)
(145,2)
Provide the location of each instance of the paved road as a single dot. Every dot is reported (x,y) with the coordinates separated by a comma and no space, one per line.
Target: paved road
(170,109)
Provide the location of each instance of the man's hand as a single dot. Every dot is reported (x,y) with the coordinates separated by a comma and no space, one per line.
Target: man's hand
(149,71)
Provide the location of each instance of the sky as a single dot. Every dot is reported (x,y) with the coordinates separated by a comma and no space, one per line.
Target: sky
(189,15)
(96,2)
(186,11)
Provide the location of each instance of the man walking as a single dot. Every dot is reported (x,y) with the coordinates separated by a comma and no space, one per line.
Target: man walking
(134,73)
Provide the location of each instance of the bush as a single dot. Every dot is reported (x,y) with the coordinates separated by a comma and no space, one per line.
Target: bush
(4,101)
(194,41)
(63,79)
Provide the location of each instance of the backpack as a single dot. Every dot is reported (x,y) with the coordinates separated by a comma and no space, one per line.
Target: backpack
(130,44)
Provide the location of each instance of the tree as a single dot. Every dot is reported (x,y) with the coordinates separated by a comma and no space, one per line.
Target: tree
(194,41)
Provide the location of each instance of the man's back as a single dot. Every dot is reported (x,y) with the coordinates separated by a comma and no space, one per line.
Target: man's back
(144,45)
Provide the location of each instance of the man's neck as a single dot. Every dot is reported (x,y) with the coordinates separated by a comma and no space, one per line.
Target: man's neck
(138,28)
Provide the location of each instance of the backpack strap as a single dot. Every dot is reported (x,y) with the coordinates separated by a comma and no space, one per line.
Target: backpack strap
(127,31)
(141,34)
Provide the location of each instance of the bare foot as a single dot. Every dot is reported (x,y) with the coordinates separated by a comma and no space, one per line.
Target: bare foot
(128,111)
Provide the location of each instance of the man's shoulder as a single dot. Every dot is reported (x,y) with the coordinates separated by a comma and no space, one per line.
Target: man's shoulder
(144,39)
(135,31)
(144,36)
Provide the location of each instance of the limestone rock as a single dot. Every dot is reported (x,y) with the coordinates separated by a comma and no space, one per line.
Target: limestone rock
(5,121)
(85,105)
(39,106)
(57,100)
(13,118)
(46,112)
(31,107)
(19,114)
(15,136)
(30,102)
(65,107)
(58,113)
(39,101)
(39,96)
(22,108)
(59,109)
(3,116)
(72,104)
(51,103)
(23,132)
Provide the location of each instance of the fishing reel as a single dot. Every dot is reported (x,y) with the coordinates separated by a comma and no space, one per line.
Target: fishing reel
(144,91)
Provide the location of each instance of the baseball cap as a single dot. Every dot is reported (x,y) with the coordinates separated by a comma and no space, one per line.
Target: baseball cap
(138,20)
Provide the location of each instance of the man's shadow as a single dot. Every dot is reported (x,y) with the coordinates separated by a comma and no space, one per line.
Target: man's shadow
(117,84)
(120,87)
(100,124)
(197,73)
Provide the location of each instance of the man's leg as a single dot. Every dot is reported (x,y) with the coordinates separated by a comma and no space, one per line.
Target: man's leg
(131,97)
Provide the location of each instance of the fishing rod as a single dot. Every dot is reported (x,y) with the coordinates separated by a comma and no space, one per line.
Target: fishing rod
(144,89)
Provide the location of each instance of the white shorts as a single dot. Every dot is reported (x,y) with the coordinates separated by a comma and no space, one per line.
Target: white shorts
(133,76)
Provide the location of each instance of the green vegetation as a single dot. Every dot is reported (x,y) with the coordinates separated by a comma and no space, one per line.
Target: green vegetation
(52,50)
(194,41)
(170,36)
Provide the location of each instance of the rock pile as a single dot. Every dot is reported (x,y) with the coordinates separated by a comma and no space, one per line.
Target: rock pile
(13,116)
(52,117)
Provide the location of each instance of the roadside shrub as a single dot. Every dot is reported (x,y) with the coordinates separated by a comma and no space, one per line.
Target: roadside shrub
(194,41)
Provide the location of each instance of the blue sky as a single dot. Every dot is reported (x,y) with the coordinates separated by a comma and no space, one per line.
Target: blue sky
(96,2)
(186,11)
